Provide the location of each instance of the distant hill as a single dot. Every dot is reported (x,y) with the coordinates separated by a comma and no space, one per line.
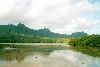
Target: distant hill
(22,29)
(78,34)
(20,33)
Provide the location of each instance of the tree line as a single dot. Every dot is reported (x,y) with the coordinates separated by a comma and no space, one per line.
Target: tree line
(86,41)
(21,34)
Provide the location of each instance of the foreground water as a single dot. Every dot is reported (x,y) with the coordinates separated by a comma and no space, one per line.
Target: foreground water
(46,56)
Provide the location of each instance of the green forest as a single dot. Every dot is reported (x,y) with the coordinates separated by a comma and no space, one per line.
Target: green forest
(86,41)
(21,34)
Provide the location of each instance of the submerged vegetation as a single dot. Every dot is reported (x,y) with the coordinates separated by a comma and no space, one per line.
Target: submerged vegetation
(91,51)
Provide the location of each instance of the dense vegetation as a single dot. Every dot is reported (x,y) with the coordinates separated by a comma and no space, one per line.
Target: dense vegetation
(86,41)
(21,34)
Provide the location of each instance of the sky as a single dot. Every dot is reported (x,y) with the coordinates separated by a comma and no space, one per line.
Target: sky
(60,16)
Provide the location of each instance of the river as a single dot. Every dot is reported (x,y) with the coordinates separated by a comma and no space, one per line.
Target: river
(46,56)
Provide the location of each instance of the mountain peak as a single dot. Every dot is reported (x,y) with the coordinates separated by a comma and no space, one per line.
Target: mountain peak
(21,25)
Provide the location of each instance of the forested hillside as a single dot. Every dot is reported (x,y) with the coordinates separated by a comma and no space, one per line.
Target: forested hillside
(20,33)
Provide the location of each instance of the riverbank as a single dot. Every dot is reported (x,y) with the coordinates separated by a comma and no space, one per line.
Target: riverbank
(92,51)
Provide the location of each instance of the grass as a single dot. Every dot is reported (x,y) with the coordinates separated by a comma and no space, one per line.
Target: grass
(92,51)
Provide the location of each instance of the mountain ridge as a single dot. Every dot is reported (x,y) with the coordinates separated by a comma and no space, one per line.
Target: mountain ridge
(21,28)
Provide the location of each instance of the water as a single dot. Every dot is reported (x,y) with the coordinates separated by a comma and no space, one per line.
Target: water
(46,56)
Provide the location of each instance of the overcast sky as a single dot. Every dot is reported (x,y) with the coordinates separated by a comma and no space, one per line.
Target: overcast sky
(62,16)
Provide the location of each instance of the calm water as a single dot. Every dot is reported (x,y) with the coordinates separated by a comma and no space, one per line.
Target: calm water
(46,56)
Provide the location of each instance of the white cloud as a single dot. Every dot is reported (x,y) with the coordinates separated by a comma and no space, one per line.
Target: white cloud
(63,16)
(5,6)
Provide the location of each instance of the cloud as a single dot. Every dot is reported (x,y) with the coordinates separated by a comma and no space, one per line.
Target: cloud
(66,17)
(15,10)
(62,16)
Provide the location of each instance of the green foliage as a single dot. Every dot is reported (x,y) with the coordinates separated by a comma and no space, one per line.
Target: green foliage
(87,41)
(21,34)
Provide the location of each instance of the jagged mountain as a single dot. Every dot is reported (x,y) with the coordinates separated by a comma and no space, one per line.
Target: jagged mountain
(22,29)
(21,34)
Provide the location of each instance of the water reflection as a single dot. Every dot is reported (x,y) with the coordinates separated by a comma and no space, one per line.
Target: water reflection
(20,57)
(47,58)
(12,56)
(64,58)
